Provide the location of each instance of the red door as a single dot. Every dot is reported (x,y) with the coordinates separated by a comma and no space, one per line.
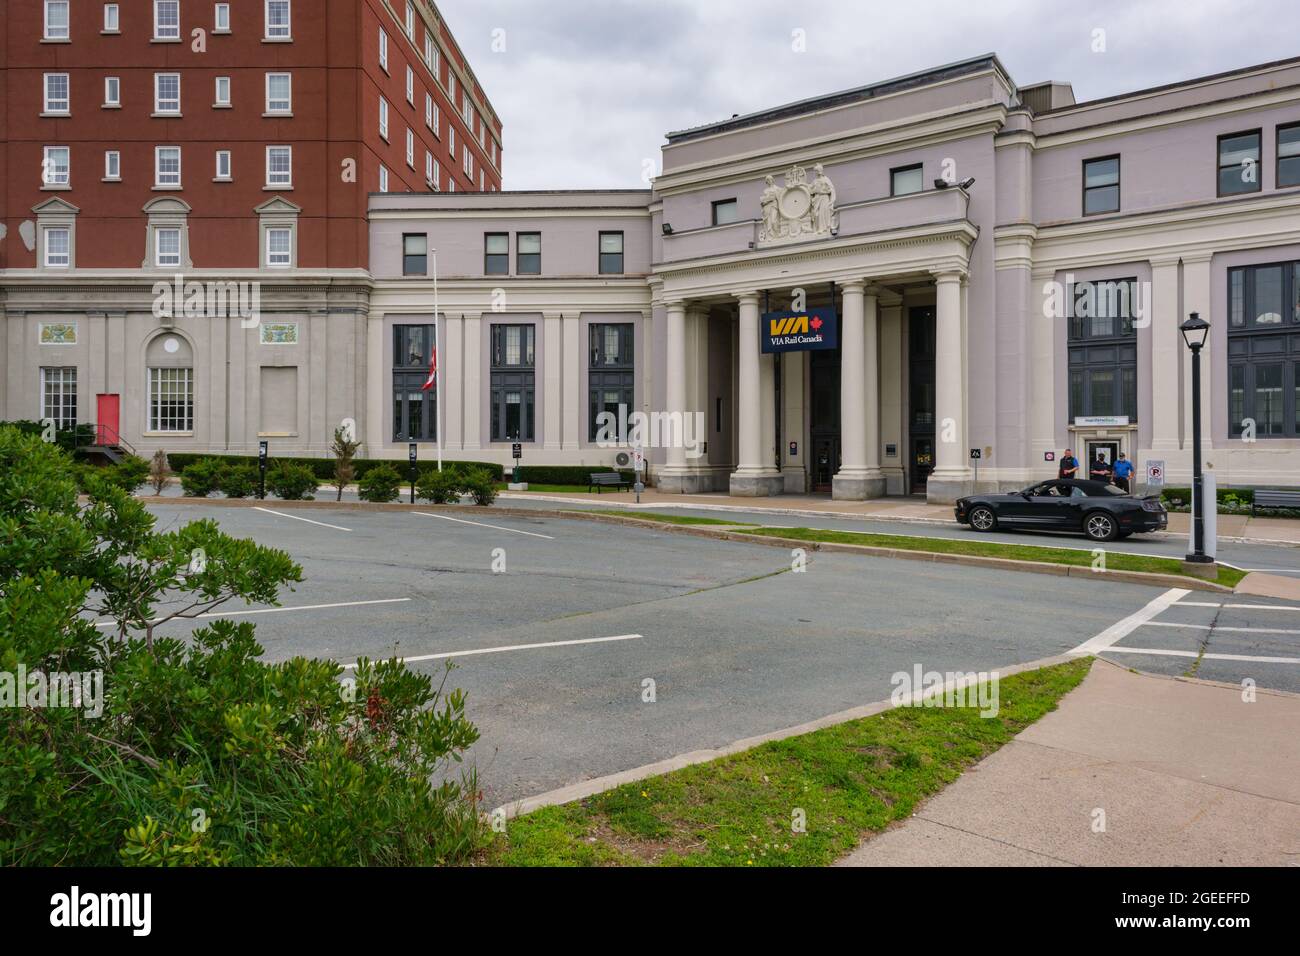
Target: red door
(108,417)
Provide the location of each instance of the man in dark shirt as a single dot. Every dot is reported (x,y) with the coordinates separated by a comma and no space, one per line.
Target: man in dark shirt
(1069,465)
(1101,469)
(1123,472)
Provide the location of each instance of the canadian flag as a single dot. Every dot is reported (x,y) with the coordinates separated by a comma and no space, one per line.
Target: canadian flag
(433,372)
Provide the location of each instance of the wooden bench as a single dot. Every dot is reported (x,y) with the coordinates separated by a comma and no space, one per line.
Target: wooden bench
(1274,498)
(607,479)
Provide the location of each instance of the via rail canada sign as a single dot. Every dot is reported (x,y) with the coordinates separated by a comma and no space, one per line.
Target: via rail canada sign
(804,331)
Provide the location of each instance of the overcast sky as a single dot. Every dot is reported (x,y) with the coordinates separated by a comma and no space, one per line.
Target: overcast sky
(586,89)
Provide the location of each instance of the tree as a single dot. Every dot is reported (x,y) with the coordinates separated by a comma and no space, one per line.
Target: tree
(158,471)
(344,449)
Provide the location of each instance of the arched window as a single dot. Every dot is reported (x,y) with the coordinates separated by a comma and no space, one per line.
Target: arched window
(169,361)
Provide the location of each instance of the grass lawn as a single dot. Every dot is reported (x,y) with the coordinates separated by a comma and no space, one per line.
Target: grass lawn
(849,780)
(1115,560)
(552,489)
(673,519)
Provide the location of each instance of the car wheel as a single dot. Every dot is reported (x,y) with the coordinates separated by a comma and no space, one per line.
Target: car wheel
(1100,526)
(983,519)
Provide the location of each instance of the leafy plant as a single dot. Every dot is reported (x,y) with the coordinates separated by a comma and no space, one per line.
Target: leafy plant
(238,480)
(201,478)
(479,485)
(439,487)
(344,449)
(129,473)
(158,471)
(291,481)
(380,484)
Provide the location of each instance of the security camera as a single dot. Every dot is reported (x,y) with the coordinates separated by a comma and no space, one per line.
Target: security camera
(967,183)
(668,229)
(941,183)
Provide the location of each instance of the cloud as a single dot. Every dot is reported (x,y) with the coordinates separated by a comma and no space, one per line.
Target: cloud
(586,91)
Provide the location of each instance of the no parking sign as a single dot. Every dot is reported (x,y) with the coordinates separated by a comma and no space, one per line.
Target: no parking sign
(1155,472)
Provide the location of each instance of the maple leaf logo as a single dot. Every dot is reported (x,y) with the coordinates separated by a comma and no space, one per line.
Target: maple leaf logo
(816,324)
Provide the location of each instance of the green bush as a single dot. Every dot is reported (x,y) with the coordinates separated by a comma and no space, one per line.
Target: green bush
(291,481)
(194,751)
(238,480)
(323,468)
(439,487)
(380,484)
(129,473)
(564,474)
(479,485)
(201,478)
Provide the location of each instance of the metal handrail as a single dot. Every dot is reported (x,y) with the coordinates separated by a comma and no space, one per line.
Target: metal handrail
(104,432)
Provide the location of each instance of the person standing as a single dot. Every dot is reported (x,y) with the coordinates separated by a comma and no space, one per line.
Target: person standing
(1069,465)
(1123,473)
(1101,470)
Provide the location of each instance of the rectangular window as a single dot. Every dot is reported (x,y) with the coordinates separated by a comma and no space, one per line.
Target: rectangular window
(222,91)
(110,18)
(56,93)
(467,111)
(467,163)
(166,19)
(167,166)
(528,253)
(277,20)
(1264,350)
(906,179)
(410,149)
(428,110)
(56,19)
(383,178)
(171,399)
(56,167)
(428,167)
(451,87)
(451,141)
(279,247)
(410,22)
(611,253)
(410,86)
(1288,155)
(1239,163)
(383,117)
(1100,185)
(611,377)
(1102,344)
(513,395)
(415,254)
(167,247)
(415,411)
(429,52)
(221,18)
(383,49)
(166,92)
(223,164)
(279,92)
(112,164)
(725,211)
(496,253)
(437,176)
(279,166)
(112,91)
(58,247)
(59,396)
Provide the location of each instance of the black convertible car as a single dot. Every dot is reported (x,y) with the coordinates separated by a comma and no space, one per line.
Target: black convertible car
(1101,511)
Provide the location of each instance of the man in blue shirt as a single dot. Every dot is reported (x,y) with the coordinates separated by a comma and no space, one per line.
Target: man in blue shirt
(1123,472)
(1069,465)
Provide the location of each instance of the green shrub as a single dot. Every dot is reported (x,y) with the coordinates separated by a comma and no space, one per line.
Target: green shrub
(201,478)
(439,487)
(238,480)
(479,485)
(199,753)
(564,474)
(291,481)
(380,484)
(323,468)
(344,449)
(129,473)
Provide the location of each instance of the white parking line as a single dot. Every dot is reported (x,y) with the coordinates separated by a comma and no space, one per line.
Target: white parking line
(1273,570)
(1212,627)
(1121,629)
(484,524)
(1163,652)
(275,610)
(1246,607)
(511,647)
(281,514)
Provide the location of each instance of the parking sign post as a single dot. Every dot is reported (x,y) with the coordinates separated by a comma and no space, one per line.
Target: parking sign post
(413,450)
(261,469)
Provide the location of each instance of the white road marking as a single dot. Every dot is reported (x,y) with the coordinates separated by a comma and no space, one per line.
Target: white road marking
(296,518)
(1121,629)
(1247,607)
(484,524)
(1273,570)
(511,647)
(1163,652)
(275,610)
(1211,627)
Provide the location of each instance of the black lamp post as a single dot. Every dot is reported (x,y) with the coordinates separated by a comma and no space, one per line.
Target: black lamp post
(1195,331)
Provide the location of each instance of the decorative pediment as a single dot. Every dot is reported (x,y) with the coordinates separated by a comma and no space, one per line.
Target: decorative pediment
(54,206)
(799,210)
(166,206)
(277,206)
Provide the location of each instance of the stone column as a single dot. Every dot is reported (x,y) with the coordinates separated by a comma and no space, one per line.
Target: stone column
(891,390)
(848,482)
(553,358)
(1166,355)
(675,477)
(755,475)
(572,371)
(951,476)
(375,380)
(472,377)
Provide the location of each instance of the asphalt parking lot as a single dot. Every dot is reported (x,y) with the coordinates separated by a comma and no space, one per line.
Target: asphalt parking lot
(554,652)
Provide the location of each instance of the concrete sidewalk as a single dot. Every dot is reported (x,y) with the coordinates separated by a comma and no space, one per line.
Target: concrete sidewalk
(1185,772)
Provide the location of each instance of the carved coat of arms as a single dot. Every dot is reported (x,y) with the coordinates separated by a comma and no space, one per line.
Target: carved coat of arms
(799,210)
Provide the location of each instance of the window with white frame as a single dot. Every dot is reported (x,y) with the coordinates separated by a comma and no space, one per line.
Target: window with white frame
(410,149)
(451,141)
(277,20)
(223,164)
(279,92)
(167,93)
(383,117)
(58,247)
(451,185)
(467,162)
(222,92)
(451,86)
(430,54)
(166,19)
(56,93)
(56,166)
(279,166)
(428,110)
(167,166)
(111,18)
(383,178)
(410,86)
(56,19)
(59,396)
(410,22)
(482,134)
(112,91)
(480,179)
(221,18)
(428,167)
(437,119)
(383,49)
(467,111)
(112,164)
(279,247)
(437,176)
(167,247)
(171,399)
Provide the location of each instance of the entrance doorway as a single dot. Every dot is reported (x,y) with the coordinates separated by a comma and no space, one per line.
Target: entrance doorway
(1109,451)
(824,372)
(920,396)
(108,418)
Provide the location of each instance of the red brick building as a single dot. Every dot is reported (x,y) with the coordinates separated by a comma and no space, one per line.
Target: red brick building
(176,133)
